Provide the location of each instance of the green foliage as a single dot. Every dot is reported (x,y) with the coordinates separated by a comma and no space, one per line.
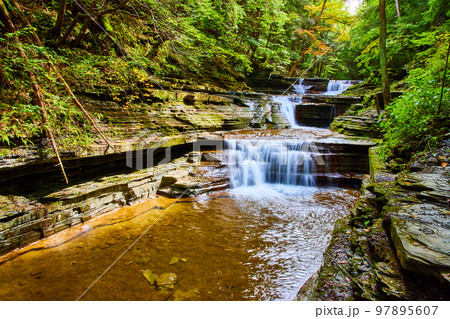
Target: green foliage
(414,115)
(222,42)
(417,46)
(21,118)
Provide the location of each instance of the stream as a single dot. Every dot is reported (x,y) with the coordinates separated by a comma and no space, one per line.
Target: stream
(259,240)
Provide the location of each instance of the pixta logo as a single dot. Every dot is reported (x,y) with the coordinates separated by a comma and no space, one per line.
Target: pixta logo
(147,152)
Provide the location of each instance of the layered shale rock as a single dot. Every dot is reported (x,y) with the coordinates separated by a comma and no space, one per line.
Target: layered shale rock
(24,220)
(320,110)
(399,234)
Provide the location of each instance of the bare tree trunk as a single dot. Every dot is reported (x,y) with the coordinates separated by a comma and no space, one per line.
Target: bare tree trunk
(397,6)
(383,58)
(86,17)
(299,61)
(60,19)
(295,66)
(321,12)
(69,30)
(443,80)
(37,89)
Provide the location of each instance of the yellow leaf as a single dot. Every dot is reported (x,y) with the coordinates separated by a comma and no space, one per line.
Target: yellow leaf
(443,164)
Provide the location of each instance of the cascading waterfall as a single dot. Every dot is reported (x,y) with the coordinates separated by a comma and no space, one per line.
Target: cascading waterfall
(287,107)
(256,162)
(300,88)
(288,103)
(251,104)
(336,87)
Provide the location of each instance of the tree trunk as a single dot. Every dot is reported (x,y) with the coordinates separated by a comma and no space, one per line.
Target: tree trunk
(60,19)
(295,66)
(397,6)
(61,78)
(80,35)
(443,79)
(299,61)
(321,12)
(69,30)
(86,23)
(383,59)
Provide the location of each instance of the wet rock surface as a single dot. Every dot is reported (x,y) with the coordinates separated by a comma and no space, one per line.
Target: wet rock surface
(421,235)
(399,238)
(153,119)
(333,281)
(24,220)
(320,110)
(190,181)
(366,126)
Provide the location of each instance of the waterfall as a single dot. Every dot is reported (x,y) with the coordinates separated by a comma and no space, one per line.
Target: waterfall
(251,104)
(257,162)
(288,103)
(287,107)
(336,87)
(300,88)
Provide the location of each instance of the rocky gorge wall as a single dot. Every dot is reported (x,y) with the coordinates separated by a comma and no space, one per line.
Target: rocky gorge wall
(394,244)
(143,125)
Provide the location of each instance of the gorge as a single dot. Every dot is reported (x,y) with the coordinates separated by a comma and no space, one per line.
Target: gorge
(265,236)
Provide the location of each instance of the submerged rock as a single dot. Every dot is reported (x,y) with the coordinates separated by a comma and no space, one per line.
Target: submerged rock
(166,281)
(150,276)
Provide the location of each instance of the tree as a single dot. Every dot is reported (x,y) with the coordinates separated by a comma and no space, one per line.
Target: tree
(60,18)
(397,6)
(383,58)
(308,44)
(92,13)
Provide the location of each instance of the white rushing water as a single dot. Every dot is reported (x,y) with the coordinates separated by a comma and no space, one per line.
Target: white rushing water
(258,162)
(300,88)
(287,107)
(336,87)
(288,103)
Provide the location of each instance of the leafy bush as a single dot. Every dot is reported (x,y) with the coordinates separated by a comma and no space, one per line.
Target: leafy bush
(414,117)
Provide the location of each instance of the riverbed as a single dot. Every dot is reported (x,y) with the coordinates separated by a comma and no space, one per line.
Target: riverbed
(252,243)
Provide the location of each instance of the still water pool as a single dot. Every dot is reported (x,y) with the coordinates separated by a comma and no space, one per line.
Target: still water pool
(250,243)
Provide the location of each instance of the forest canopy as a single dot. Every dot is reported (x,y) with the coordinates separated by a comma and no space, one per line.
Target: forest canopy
(122,43)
